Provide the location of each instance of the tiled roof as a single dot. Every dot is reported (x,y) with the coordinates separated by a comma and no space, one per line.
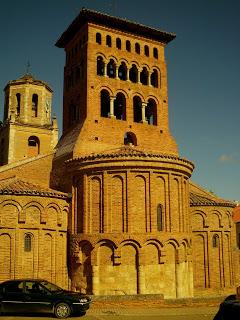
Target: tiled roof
(28,78)
(103,19)
(128,152)
(200,200)
(15,186)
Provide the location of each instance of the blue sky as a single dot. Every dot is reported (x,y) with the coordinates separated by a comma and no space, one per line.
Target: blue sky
(203,70)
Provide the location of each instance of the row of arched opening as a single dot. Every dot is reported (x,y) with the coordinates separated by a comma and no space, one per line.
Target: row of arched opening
(128,46)
(133,74)
(34,104)
(115,107)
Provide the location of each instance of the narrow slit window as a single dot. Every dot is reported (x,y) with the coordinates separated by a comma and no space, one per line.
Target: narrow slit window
(27,243)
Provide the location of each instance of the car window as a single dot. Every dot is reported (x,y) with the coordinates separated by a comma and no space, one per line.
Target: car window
(14,287)
(50,286)
(34,287)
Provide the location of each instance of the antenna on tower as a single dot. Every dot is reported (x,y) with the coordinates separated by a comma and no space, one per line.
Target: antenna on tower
(28,67)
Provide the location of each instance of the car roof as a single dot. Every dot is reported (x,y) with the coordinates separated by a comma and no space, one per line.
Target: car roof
(25,279)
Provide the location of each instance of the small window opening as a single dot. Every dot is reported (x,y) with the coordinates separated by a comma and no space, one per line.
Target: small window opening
(154,78)
(18,97)
(133,74)
(108,41)
(111,69)
(100,66)
(98,38)
(130,139)
(128,46)
(33,146)
(144,76)
(105,103)
(155,53)
(120,107)
(122,71)
(137,109)
(160,222)
(146,51)
(27,243)
(137,48)
(151,112)
(215,241)
(118,43)
(34,105)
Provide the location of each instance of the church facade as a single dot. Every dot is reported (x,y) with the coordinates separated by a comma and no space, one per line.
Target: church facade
(114,182)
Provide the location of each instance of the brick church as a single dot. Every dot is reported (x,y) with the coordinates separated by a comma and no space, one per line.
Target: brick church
(109,209)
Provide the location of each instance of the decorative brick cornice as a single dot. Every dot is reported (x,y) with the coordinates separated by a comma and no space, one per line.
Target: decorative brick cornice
(102,19)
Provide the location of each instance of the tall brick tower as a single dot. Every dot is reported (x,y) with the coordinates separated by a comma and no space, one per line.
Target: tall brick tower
(129,221)
(27,129)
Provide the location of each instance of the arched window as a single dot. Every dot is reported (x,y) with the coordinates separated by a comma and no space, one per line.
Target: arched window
(130,139)
(137,48)
(215,241)
(111,69)
(18,97)
(33,146)
(133,74)
(144,76)
(34,105)
(128,46)
(105,103)
(108,41)
(100,66)
(155,53)
(120,107)
(137,109)
(27,242)
(118,43)
(151,112)
(154,78)
(146,51)
(98,38)
(122,71)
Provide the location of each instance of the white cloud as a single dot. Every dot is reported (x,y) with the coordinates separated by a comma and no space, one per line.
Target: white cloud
(228,158)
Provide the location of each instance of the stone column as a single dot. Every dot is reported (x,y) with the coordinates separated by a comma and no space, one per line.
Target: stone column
(105,70)
(95,280)
(138,76)
(127,74)
(144,104)
(117,67)
(111,113)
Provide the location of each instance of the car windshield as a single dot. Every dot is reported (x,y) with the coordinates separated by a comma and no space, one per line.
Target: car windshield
(51,287)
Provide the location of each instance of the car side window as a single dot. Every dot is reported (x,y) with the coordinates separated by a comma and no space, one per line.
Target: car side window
(14,287)
(33,287)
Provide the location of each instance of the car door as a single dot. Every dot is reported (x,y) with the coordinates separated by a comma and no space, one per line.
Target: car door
(37,299)
(13,297)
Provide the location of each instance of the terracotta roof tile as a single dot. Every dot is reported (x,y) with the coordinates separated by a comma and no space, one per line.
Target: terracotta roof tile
(15,186)
(200,200)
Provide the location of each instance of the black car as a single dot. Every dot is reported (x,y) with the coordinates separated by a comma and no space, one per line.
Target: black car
(31,296)
(229,309)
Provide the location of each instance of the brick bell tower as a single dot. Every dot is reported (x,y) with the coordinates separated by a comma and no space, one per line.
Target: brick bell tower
(129,223)
(27,129)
